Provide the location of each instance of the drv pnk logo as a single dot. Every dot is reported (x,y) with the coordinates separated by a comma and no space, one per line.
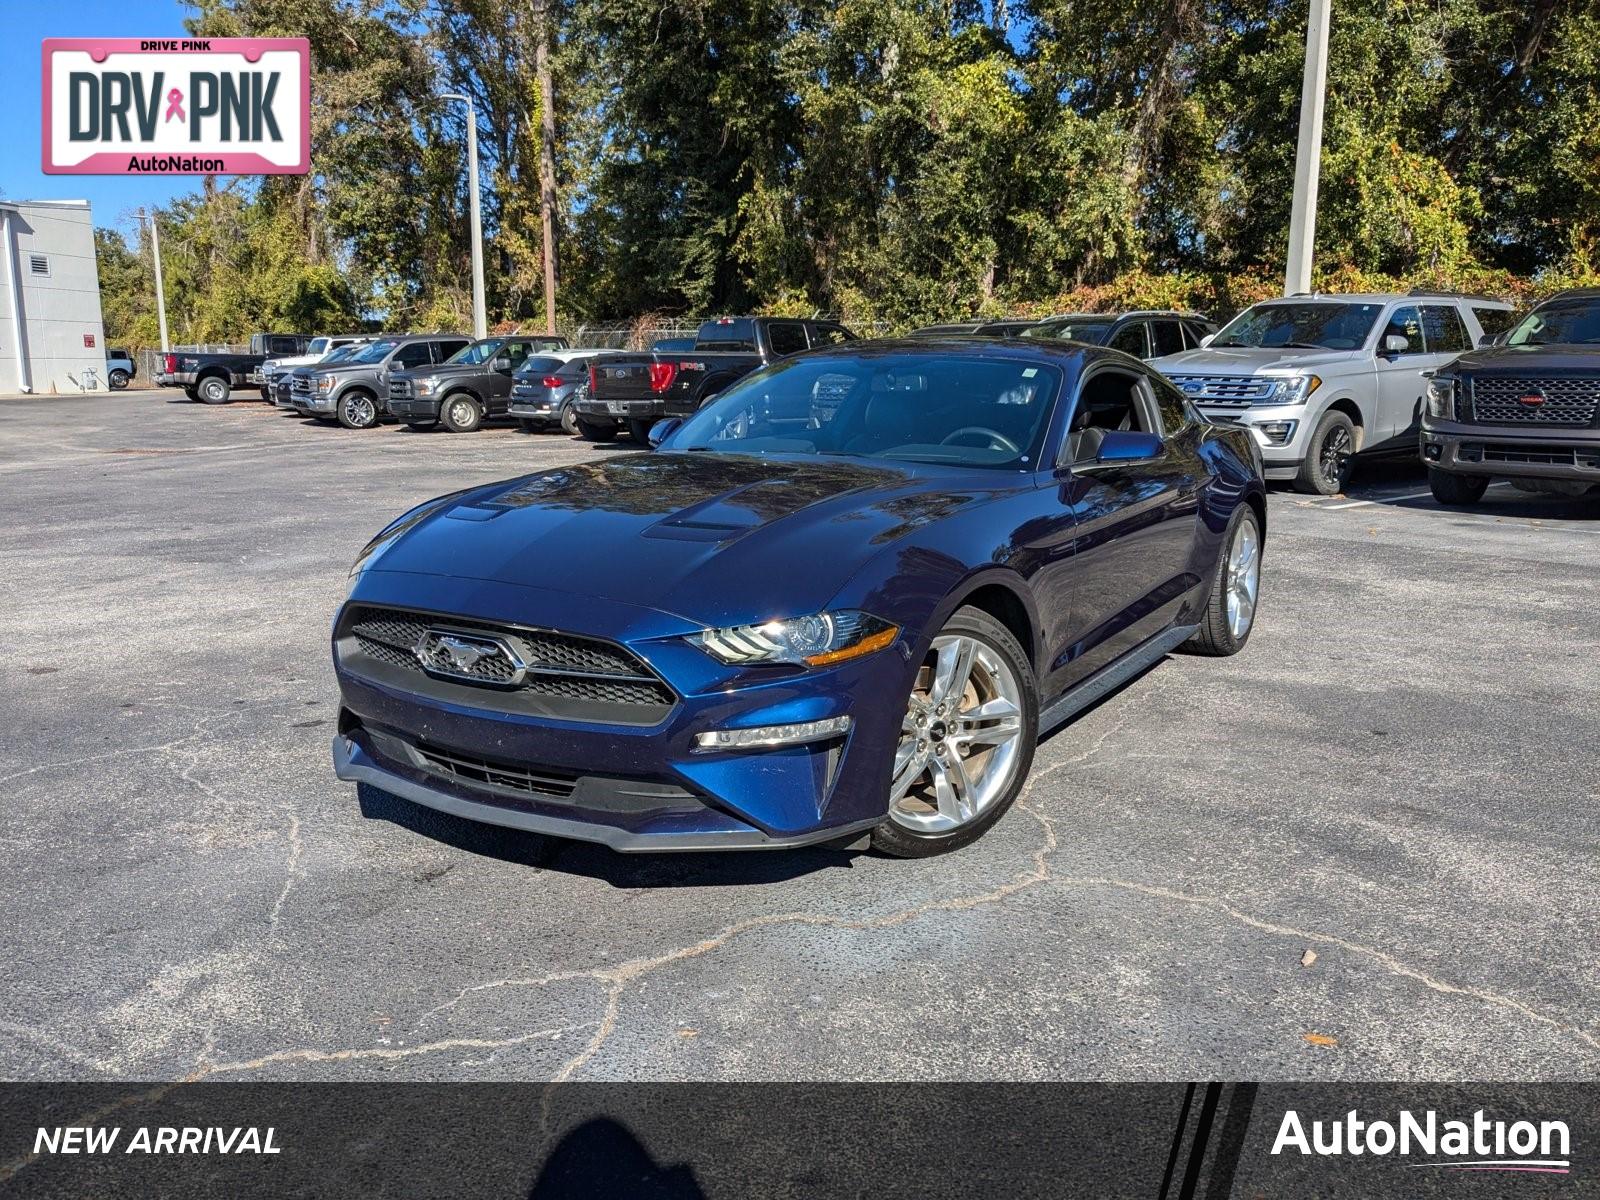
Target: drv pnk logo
(170,106)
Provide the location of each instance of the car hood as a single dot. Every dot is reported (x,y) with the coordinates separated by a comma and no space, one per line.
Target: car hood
(1520,360)
(1248,360)
(706,537)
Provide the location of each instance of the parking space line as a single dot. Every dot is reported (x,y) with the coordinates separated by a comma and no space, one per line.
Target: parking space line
(1391,499)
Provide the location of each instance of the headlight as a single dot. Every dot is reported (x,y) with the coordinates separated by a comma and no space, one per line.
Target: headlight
(324,384)
(1293,389)
(815,641)
(1442,398)
(425,387)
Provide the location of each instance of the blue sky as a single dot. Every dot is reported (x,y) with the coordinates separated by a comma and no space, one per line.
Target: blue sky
(27,25)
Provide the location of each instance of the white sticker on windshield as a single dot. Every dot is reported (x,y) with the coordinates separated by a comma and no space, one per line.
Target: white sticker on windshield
(1030,372)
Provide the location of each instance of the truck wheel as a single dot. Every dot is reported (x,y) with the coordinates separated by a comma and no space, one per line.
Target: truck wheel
(214,389)
(357,410)
(569,421)
(639,431)
(596,431)
(1326,469)
(118,380)
(461,414)
(528,426)
(1449,488)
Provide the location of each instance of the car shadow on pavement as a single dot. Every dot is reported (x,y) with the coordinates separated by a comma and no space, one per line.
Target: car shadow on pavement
(665,870)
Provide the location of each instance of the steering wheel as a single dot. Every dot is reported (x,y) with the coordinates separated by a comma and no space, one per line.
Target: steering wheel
(997,440)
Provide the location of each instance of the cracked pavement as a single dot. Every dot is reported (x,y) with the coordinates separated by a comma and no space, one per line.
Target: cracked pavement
(1398,774)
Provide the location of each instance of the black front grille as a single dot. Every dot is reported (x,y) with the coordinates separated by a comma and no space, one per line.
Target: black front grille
(1570,402)
(399,387)
(564,674)
(534,781)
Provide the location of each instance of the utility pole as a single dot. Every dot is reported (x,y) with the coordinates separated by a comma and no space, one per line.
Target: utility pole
(1308,154)
(161,293)
(480,318)
(547,155)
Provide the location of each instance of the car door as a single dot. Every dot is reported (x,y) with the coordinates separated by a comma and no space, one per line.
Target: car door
(1120,565)
(1400,382)
(497,386)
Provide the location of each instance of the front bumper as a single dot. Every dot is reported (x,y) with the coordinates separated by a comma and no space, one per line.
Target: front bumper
(1281,431)
(1511,452)
(312,402)
(414,408)
(631,787)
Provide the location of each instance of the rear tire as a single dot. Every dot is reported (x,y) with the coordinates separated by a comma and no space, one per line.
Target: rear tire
(1326,469)
(529,426)
(1230,612)
(569,421)
(461,414)
(639,431)
(984,774)
(596,431)
(214,389)
(192,394)
(357,410)
(118,380)
(1462,490)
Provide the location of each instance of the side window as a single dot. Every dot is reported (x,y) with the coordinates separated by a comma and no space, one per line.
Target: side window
(829,335)
(1130,339)
(1193,332)
(414,355)
(1167,337)
(1107,401)
(517,352)
(1494,320)
(443,351)
(282,345)
(1407,324)
(1443,329)
(786,338)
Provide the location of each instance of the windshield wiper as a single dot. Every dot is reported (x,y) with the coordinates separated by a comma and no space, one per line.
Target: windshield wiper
(1299,346)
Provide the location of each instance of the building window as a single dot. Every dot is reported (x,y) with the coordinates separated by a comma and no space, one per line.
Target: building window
(39,264)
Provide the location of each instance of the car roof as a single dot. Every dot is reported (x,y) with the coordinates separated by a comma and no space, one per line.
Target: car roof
(1385,298)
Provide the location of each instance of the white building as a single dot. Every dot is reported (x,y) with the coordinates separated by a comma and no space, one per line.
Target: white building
(50,327)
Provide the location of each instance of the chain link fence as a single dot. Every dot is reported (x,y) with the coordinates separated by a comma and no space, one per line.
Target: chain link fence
(643,332)
(149,361)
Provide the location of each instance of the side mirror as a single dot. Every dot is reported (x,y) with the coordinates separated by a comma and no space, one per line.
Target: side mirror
(503,364)
(1394,343)
(1127,445)
(1207,340)
(662,430)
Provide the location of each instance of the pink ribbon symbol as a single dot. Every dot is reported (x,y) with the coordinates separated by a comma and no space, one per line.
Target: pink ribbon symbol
(175,105)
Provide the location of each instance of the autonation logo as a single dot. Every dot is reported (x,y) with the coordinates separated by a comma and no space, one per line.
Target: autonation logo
(1476,1145)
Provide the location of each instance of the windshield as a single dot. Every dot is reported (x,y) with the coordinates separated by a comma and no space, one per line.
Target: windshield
(906,407)
(1312,326)
(376,352)
(318,345)
(1569,324)
(536,365)
(478,352)
(344,353)
(1077,329)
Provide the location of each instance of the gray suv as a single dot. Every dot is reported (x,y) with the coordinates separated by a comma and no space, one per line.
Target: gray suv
(354,392)
(1318,379)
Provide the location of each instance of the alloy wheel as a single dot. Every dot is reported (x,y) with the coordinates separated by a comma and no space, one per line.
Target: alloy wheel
(1336,450)
(361,411)
(1244,578)
(960,739)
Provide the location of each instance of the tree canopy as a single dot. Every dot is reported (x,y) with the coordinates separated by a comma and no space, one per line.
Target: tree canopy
(888,160)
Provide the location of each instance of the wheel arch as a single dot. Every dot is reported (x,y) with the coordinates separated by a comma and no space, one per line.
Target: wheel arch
(1004,596)
(1347,405)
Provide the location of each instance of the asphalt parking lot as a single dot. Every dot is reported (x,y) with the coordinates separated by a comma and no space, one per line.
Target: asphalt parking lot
(1397,777)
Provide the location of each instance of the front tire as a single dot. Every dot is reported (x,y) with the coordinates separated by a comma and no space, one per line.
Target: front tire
(596,431)
(357,410)
(966,742)
(1230,612)
(1451,489)
(1326,469)
(461,414)
(214,389)
(118,380)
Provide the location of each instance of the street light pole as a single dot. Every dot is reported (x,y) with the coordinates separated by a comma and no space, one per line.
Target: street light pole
(480,319)
(161,292)
(1308,154)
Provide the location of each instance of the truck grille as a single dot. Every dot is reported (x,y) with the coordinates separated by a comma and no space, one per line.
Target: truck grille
(1225,391)
(400,388)
(565,675)
(1506,400)
(300,384)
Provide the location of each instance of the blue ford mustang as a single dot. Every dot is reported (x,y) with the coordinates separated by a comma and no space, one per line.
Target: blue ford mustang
(846,597)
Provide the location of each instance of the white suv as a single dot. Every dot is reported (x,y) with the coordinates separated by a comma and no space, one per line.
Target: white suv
(1318,378)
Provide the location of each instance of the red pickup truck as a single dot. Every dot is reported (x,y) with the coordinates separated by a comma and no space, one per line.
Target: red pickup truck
(637,390)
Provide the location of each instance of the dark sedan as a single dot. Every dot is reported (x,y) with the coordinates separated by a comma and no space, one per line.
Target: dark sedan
(843,599)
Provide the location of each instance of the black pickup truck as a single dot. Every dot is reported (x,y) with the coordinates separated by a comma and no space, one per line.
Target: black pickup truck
(640,389)
(211,377)
(1525,408)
